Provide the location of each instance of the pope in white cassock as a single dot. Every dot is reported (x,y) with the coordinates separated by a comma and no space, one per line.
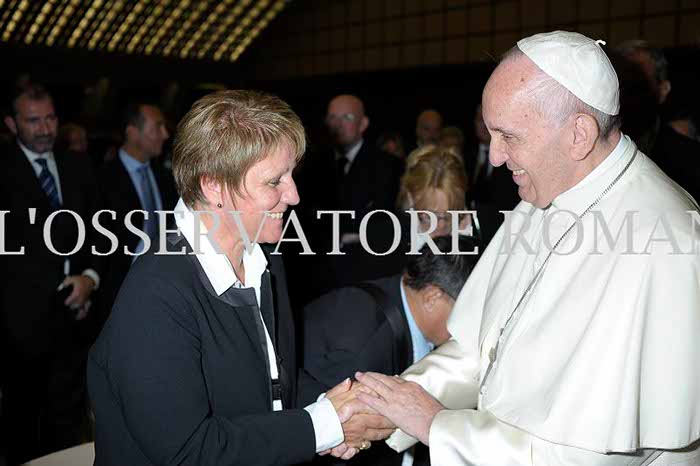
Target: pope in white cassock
(576,341)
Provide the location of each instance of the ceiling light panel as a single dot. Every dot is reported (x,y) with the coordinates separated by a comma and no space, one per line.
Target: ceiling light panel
(217,30)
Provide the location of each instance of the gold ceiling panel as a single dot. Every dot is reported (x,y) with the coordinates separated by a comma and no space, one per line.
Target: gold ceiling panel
(217,30)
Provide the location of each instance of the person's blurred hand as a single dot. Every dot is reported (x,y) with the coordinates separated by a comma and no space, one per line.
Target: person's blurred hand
(82,288)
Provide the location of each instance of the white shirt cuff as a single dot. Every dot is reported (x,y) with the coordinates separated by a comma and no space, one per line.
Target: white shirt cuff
(90,273)
(327,428)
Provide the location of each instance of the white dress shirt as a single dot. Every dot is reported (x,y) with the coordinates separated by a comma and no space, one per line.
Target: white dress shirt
(220,272)
(350,155)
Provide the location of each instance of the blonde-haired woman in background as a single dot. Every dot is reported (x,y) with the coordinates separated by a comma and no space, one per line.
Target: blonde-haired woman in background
(435,181)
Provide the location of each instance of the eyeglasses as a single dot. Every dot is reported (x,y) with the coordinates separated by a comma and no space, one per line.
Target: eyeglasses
(346,117)
(424,217)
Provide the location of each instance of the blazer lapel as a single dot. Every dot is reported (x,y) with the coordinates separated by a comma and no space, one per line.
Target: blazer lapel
(70,195)
(25,179)
(242,301)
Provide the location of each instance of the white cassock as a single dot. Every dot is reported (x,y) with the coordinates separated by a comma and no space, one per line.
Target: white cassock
(601,363)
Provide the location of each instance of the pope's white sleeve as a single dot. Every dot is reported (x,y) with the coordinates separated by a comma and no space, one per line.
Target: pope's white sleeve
(477,438)
(447,374)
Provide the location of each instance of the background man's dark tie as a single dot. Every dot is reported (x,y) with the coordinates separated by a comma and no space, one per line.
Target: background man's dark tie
(48,183)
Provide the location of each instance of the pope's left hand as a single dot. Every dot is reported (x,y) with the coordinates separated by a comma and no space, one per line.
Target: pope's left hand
(405,403)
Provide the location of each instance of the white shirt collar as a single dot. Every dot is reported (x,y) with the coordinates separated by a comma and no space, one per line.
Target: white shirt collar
(421,345)
(131,164)
(580,196)
(31,155)
(216,266)
(352,152)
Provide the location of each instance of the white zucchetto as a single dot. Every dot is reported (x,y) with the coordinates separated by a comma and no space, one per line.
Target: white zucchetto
(579,64)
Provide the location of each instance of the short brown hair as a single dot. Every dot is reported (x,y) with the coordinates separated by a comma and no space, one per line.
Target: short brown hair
(33,91)
(435,168)
(226,133)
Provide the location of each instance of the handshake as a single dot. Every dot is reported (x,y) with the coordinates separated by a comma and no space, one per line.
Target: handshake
(374,406)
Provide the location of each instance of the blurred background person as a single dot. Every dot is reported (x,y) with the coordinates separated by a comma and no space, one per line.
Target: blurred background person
(435,182)
(452,137)
(351,175)
(72,138)
(46,322)
(391,142)
(645,86)
(428,127)
(134,181)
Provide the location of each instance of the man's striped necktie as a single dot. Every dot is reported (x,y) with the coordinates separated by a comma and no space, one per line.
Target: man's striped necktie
(48,183)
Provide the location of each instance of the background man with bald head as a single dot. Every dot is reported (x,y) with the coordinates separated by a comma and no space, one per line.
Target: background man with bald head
(561,351)
(350,175)
(428,126)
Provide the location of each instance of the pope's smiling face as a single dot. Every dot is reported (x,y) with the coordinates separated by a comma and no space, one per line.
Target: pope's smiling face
(523,139)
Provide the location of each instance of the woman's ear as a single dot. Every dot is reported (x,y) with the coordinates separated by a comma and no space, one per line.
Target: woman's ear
(212,190)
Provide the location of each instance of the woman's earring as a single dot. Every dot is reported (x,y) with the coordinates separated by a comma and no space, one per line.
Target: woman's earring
(219,205)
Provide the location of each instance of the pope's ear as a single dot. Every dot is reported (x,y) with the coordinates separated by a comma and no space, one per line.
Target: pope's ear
(585,134)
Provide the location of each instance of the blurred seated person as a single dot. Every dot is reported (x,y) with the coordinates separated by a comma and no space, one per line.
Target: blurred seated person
(387,325)
(453,137)
(196,364)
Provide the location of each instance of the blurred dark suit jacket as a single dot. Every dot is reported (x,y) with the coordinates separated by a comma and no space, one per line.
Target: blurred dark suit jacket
(30,326)
(120,195)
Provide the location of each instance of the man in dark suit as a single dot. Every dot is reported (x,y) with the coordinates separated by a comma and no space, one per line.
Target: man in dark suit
(134,181)
(387,325)
(643,72)
(350,176)
(43,332)
(365,179)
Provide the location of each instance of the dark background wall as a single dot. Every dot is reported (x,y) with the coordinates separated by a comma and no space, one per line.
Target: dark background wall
(400,56)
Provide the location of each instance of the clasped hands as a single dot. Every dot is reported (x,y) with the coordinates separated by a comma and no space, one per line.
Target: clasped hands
(375,405)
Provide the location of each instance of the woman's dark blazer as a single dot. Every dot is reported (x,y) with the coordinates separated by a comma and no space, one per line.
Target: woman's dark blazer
(178,375)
